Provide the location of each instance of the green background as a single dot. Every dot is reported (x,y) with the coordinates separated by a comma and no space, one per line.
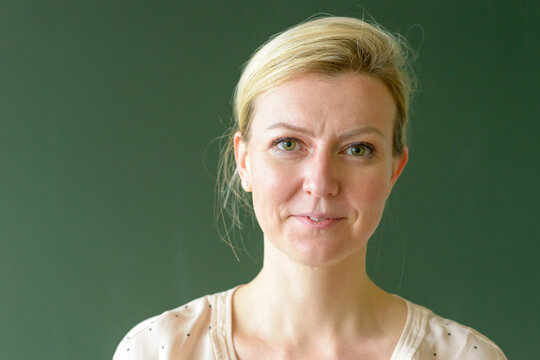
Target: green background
(108,115)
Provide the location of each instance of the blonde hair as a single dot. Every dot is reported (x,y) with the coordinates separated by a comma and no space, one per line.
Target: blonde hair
(329,45)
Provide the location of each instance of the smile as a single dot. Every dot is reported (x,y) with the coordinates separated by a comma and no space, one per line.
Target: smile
(317,221)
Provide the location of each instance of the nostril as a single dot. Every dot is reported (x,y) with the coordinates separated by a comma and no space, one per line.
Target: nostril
(321,189)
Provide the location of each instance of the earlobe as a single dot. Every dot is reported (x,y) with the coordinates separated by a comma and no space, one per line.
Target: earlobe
(398,165)
(241,157)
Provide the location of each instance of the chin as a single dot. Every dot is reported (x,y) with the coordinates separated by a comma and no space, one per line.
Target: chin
(321,251)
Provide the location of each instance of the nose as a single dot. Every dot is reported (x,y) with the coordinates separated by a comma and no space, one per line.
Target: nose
(320,178)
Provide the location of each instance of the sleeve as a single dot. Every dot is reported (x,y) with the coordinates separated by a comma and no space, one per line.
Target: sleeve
(449,340)
(124,350)
(178,334)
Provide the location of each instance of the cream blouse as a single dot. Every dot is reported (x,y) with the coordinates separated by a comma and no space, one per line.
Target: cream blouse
(201,329)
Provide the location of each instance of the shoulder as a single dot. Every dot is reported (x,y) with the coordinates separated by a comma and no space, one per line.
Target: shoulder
(441,338)
(180,332)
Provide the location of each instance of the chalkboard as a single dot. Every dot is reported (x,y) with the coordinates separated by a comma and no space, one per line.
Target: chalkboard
(109,115)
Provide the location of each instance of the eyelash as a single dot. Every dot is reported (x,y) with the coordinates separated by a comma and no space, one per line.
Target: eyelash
(279,141)
(370,148)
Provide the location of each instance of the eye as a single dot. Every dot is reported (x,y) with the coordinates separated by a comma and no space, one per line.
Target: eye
(286,144)
(359,150)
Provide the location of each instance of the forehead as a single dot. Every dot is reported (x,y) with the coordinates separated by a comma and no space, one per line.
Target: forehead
(328,103)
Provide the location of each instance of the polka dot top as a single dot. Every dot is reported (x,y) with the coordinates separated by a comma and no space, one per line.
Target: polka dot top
(201,329)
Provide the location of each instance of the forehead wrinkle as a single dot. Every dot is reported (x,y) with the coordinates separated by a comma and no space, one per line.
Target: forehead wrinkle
(290,127)
(344,136)
(312,114)
(360,131)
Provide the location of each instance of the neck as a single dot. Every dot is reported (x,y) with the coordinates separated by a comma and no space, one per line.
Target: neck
(300,302)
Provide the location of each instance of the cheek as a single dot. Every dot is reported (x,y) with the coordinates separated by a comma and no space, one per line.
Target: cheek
(370,190)
(367,199)
(274,183)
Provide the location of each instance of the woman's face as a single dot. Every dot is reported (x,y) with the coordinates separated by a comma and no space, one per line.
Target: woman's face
(319,164)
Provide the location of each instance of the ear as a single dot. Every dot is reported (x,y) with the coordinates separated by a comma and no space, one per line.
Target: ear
(242,163)
(398,164)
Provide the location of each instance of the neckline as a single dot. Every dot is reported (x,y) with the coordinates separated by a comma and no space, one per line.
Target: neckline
(411,335)
(405,332)
(228,320)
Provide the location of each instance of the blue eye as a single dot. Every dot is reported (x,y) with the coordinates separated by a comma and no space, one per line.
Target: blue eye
(286,144)
(359,150)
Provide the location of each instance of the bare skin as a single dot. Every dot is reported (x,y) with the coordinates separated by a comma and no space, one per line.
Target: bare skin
(318,202)
(306,314)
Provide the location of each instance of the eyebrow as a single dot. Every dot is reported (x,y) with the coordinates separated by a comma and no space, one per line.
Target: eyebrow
(344,136)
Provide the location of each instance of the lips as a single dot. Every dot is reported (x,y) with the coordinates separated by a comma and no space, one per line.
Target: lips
(319,216)
(317,220)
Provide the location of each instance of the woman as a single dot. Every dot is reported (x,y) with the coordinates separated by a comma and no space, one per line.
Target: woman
(319,143)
